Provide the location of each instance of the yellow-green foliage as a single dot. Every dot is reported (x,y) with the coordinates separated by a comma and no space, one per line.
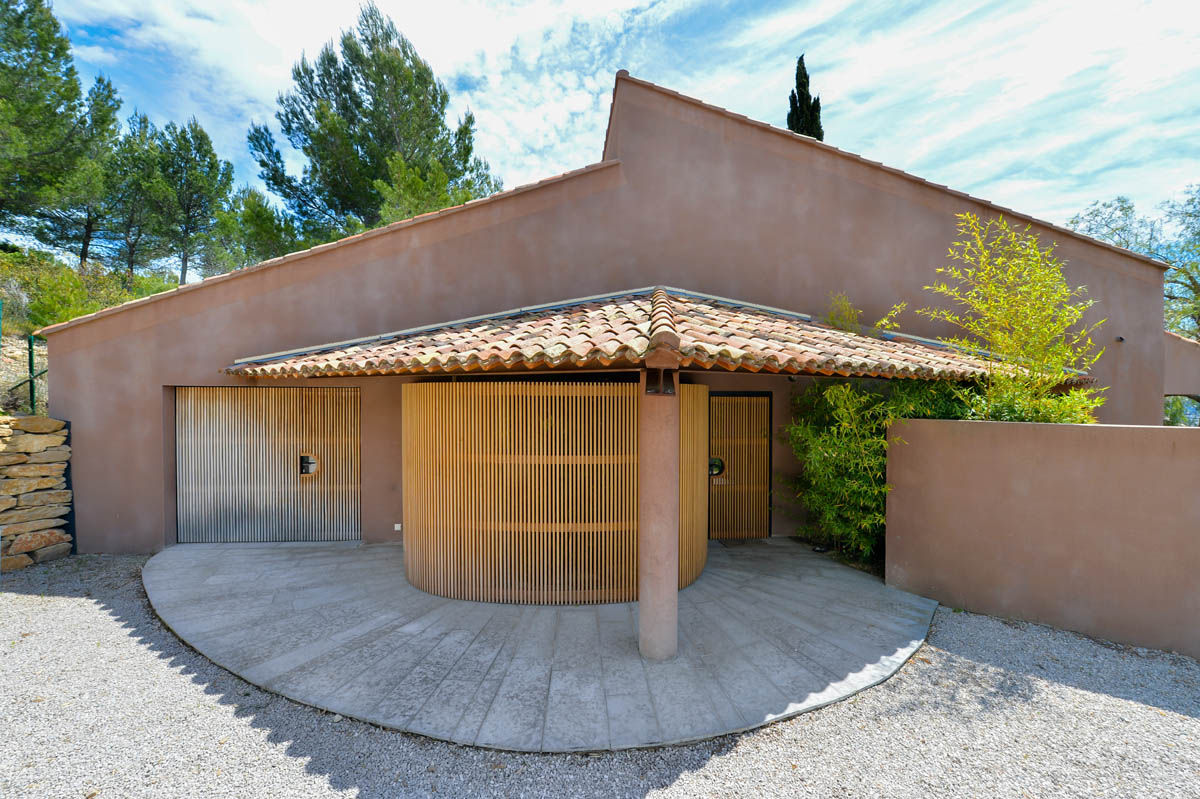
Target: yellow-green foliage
(414,191)
(1008,296)
(839,433)
(40,291)
(1010,300)
(889,320)
(842,314)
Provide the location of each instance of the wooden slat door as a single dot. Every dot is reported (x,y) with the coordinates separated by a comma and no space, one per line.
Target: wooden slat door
(267,464)
(739,499)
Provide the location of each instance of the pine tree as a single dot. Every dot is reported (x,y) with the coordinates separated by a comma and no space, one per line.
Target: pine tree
(199,184)
(248,230)
(46,122)
(804,114)
(71,216)
(350,110)
(137,195)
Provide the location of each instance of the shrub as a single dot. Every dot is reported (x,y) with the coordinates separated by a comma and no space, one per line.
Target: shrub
(842,314)
(1009,297)
(839,435)
(40,291)
(57,294)
(1181,412)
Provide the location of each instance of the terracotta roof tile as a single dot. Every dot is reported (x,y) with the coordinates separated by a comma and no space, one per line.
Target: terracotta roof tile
(622,330)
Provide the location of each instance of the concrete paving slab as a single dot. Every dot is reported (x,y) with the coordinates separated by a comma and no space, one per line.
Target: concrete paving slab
(768,631)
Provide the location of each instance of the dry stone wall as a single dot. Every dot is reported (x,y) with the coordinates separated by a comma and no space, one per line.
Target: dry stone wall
(35,502)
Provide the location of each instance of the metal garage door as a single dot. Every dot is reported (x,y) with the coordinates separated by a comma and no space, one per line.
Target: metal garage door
(267,464)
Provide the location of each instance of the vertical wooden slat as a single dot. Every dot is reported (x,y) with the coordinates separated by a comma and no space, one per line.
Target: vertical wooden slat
(237,464)
(693,482)
(520,492)
(739,499)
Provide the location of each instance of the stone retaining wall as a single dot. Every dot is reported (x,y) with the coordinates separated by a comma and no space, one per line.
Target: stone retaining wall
(34,499)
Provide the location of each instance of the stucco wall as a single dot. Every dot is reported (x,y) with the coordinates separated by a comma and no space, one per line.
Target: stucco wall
(1181,370)
(689,197)
(745,211)
(1092,528)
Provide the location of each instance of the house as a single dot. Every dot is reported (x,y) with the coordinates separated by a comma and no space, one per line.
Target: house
(531,390)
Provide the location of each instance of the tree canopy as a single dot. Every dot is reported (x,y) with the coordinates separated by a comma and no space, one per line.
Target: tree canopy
(137,194)
(1173,238)
(197,186)
(118,206)
(73,210)
(352,110)
(246,231)
(1007,295)
(804,110)
(47,125)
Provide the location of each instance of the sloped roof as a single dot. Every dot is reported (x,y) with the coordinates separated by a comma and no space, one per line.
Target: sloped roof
(623,330)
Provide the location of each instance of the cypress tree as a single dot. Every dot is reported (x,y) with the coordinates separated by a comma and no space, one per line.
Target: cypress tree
(804,113)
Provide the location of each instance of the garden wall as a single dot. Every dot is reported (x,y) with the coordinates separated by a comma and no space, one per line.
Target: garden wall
(1181,367)
(35,503)
(1093,528)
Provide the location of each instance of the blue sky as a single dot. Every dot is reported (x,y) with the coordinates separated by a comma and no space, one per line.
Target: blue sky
(1040,106)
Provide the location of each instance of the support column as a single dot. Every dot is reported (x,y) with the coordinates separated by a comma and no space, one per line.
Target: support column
(658,515)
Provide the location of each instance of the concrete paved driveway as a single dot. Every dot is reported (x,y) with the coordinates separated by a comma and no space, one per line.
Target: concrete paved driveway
(769,630)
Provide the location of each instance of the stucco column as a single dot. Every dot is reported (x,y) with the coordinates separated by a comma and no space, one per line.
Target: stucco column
(658,519)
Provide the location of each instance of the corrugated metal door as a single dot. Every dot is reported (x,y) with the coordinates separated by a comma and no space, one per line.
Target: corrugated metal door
(267,464)
(739,497)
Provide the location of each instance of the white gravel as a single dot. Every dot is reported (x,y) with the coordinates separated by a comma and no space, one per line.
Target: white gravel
(101,701)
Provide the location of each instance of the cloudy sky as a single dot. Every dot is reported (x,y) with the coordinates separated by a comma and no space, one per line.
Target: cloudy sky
(1040,106)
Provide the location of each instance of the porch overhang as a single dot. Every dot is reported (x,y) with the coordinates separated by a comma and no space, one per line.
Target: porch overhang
(656,327)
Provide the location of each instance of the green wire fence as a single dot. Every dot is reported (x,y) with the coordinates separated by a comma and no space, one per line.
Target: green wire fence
(34,373)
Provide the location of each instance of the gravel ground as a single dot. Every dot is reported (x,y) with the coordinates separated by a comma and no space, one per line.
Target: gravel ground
(101,701)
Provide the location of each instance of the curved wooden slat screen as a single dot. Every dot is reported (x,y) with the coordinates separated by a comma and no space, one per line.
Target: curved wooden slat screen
(521,492)
(527,492)
(693,482)
(739,504)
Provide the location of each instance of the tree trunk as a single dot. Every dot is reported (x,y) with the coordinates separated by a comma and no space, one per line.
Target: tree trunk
(129,267)
(183,267)
(88,229)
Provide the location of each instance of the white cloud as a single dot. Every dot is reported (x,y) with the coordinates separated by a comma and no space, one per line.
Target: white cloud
(95,55)
(1040,106)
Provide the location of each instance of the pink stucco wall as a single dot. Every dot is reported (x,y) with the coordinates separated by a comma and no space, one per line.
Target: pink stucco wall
(688,196)
(1093,528)
(1181,368)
